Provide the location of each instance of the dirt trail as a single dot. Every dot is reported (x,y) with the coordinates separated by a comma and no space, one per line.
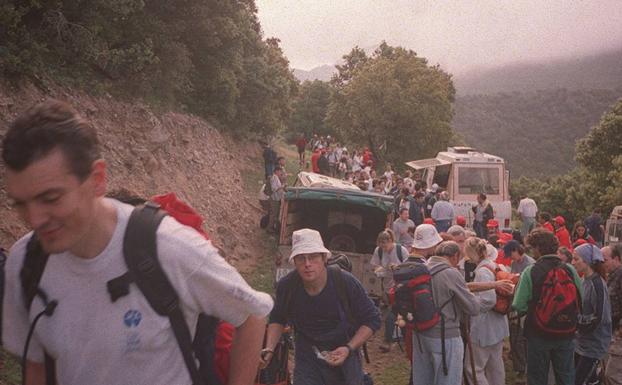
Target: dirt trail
(149,153)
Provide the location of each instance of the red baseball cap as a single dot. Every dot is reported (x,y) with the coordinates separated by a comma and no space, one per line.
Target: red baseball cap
(560,220)
(492,223)
(461,220)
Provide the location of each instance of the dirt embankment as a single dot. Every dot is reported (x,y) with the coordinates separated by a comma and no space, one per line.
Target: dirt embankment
(151,153)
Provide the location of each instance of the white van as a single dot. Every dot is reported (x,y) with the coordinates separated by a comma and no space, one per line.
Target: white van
(464,173)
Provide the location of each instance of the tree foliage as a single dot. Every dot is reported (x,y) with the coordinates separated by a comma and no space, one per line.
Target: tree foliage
(207,55)
(534,131)
(393,102)
(595,182)
(310,107)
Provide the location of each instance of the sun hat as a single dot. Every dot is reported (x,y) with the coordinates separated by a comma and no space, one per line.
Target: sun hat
(426,236)
(434,187)
(307,241)
(589,253)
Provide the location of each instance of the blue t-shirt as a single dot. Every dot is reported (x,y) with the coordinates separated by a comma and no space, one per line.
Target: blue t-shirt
(320,319)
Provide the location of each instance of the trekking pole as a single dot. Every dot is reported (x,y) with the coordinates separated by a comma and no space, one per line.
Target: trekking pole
(470,348)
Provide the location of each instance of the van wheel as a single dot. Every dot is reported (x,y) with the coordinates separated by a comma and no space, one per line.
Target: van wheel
(342,238)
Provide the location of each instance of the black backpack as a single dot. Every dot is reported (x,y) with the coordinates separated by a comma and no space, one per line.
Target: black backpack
(140,253)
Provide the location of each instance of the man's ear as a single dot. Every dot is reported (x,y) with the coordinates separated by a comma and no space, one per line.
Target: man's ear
(99,178)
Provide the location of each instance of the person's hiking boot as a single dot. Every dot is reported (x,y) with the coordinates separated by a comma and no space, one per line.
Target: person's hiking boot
(385,347)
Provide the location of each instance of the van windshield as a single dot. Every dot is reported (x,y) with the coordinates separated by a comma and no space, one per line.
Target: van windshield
(474,180)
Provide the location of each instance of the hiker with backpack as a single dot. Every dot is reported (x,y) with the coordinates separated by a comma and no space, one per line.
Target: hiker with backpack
(330,312)
(87,292)
(438,350)
(549,292)
(387,255)
(594,326)
(488,328)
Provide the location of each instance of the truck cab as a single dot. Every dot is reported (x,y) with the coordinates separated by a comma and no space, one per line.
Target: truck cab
(465,172)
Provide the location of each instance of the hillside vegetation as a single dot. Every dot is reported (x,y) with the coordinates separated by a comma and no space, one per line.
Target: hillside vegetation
(205,56)
(534,131)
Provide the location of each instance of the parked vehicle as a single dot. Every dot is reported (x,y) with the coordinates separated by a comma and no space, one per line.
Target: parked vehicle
(348,219)
(613,227)
(464,173)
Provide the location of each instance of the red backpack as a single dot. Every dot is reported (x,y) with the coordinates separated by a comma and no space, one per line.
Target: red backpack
(555,306)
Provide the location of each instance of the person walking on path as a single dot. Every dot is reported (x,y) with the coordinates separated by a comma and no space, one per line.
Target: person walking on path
(613,263)
(547,343)
(454,301)
(594,327)
(527,211)
(56,180)
(483,213)
(328,336)
(443,212)
(488,328)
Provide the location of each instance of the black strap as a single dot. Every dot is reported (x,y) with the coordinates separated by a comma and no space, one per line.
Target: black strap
(342,292)
(141,256)
(2,262)
(30,275)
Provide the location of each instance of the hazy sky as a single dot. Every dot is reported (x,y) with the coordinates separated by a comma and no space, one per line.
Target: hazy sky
(458,34)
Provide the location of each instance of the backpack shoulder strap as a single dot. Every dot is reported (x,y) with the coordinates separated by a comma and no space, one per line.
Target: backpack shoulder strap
(30,276)
(380,253)
(400,256)
(342,292)
(141,256)
(32,270)
(292,283)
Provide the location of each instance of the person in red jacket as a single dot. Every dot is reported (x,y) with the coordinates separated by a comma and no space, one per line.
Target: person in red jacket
(544,219)
(301,145)
(561,232)
(314,158)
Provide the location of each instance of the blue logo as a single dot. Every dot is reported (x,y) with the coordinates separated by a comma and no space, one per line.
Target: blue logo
(132,318)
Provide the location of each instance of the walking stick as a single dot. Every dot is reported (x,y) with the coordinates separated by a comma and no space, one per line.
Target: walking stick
(467,335)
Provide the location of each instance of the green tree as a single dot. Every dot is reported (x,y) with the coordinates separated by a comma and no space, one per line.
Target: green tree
(309,109)
(396,104)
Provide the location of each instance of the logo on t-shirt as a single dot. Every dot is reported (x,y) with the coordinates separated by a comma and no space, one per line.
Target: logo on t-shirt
(132,318)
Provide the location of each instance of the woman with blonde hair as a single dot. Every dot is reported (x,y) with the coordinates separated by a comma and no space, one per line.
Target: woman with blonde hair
(489,328)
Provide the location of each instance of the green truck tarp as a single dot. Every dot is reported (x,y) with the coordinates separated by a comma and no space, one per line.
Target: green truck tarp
(361,198)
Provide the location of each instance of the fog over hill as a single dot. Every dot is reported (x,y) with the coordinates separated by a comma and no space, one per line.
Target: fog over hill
(599,71)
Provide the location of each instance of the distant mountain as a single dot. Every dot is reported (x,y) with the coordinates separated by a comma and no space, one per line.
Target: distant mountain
(323,73)
(598,71)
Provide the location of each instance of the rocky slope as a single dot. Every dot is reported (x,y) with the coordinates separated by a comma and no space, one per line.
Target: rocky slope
(148,152)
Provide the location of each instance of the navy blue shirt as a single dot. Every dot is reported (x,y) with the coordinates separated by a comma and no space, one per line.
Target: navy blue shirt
(320,319)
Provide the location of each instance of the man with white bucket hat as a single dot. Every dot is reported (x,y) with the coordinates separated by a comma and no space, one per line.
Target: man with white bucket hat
(329,329)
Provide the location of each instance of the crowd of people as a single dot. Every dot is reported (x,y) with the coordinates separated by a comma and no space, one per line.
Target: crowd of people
(100,292)
(426,230)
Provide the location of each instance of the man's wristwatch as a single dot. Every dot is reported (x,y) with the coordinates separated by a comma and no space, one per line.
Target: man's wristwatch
(351,350)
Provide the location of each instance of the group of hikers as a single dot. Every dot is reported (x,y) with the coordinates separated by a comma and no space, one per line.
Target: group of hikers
(127,290)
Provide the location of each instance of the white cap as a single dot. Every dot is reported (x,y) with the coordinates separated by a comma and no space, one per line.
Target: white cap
(434,187)
(307,241)
(426,236)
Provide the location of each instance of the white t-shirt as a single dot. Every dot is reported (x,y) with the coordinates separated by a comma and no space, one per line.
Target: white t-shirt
(95,341)
(527,208)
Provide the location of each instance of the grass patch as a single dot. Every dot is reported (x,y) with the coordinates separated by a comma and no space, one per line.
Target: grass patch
(10,370)
(395,374)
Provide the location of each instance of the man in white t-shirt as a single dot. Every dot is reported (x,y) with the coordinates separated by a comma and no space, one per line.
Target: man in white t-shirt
(56,180)
(527,210)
